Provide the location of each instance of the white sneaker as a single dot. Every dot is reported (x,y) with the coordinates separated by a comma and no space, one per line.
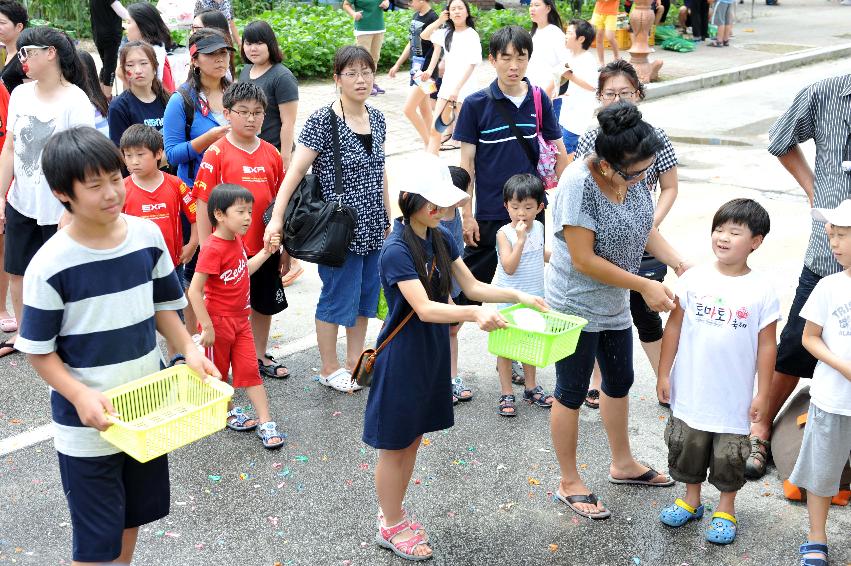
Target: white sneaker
(341,380)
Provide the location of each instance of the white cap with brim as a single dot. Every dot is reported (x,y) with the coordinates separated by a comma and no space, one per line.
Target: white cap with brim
(426,175)
(839,216)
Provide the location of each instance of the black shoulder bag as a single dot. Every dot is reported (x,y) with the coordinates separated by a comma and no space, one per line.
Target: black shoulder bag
(524,143)
(315,230)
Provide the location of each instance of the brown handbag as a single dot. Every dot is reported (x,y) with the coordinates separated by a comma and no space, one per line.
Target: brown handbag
(362,374)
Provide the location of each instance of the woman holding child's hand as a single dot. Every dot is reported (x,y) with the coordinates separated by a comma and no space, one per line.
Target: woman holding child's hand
(604,217)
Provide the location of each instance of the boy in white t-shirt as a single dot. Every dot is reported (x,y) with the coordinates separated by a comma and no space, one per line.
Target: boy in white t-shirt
(722,332)
(827,336)
(582,70)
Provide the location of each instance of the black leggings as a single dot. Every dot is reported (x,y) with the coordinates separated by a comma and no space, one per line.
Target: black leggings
(699,18)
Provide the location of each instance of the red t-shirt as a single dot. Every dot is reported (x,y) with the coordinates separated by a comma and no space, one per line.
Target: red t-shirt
(162,206)
(225,262)
(260,171)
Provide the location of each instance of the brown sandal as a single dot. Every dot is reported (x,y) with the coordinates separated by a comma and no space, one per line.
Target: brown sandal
(758,459)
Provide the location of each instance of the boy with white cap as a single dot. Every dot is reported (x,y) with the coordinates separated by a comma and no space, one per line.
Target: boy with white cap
(827,336)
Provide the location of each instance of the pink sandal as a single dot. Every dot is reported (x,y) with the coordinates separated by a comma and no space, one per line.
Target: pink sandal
(404,548)
(9,324)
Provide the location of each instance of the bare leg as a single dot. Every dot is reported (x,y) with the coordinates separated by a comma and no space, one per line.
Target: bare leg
(453,349)
(564,429)
(414,103)
(727,503)
(653,351)
(601,47)
(782,386)
(692,496)
(434,135)
(128,547)
(392,476)
(503,368)
(817,509)
(16,285)
(355,339)
(4,283)
(610,35)
(615,414)
(326,339)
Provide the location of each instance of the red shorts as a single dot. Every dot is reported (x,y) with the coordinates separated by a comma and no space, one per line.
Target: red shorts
(234,350)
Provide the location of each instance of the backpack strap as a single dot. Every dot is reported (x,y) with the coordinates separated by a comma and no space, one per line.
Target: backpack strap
(524,143)
(189,111)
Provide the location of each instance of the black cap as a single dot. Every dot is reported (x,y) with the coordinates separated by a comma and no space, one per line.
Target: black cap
(209,44)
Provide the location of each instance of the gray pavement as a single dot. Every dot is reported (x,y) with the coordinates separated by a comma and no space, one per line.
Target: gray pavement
(482,488)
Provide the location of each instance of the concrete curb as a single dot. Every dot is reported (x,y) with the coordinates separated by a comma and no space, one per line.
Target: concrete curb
(747,72)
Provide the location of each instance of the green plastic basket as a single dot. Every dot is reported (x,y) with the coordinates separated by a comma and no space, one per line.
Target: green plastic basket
(539,349)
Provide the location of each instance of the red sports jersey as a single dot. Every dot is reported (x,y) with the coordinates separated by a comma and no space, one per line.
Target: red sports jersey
(228,289)
(162,206)
(260,171)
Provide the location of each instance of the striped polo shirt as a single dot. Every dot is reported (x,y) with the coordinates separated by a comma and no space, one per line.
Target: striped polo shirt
(95,309)
(822,113)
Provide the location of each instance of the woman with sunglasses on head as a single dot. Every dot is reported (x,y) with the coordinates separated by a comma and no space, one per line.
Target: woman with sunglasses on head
(603,214)
(618,81)
(454,31)
(13,20)
(349,296)
(57,99)
(147,24)
(194,119)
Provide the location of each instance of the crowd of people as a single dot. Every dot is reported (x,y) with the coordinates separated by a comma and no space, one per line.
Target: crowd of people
(162,209)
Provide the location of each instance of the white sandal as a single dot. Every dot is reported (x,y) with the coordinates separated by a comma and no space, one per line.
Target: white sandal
(341,380)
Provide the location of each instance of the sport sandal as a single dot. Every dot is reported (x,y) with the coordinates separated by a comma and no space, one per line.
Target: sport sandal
(267,431)
(679,513)
(460,391)
(758,459)
(507,406)
(404,548)
(538,397)
(722,529)
(239,420)
(813,548)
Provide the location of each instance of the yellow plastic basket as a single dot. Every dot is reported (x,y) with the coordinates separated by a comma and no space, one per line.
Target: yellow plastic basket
(539,349)
(166,410)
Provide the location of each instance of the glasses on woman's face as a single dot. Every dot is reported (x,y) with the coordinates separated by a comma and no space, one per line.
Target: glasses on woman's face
(27,51)
(614,94)
(632,176)
(366,74)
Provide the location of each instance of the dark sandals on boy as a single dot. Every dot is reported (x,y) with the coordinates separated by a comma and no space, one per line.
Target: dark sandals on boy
(178,359)
(813,548)
(271,370)
(507,406)
(758,459)
(10,345)
(517,375)
(538,397)
(592,399)
(644,479)
(590,499)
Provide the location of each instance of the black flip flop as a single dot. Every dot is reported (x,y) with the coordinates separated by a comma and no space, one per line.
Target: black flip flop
(645,479)
(590,499)
(593,394)
(11,345)
(271,370)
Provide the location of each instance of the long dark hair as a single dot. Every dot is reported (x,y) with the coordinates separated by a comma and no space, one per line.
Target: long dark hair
(553,17)
(90,72)
(409,204)
(260,31)
(160,91)
(194,76)
(66,54)
(151,26)
(450,25)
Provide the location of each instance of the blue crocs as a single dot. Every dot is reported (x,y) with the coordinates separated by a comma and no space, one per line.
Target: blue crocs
(679,513)
(813,548)
(722,529)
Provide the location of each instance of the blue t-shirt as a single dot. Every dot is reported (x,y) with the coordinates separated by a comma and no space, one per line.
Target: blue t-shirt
(127,110)
(95,309)
(499,154)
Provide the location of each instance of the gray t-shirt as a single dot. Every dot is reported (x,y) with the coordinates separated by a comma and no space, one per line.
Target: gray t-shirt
(620,234)
(280,86)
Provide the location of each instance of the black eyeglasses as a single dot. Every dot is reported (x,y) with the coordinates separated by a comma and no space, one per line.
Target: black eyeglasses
(632,176)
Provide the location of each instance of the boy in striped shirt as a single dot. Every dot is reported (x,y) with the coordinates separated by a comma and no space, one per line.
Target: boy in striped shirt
(94,297)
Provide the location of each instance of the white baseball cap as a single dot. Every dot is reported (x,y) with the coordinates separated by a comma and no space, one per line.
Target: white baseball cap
(426,175)
(839,216)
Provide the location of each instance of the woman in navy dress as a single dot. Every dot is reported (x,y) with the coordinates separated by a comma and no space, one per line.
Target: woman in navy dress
(411,390)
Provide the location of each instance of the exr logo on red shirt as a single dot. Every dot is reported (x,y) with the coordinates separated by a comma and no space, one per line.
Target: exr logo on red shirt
(248,170)
(207,166)
(153,207)
(230,275)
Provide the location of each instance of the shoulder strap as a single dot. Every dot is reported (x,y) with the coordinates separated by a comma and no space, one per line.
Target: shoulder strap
(524,143)
(404,320)
(335,146)
(539,121)
(189,111)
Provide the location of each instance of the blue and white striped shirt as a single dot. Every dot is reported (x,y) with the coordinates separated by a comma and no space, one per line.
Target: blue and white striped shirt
(822,113)
(95,309)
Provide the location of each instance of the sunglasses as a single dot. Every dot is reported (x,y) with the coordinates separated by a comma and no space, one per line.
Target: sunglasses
(25,51)
(632,176)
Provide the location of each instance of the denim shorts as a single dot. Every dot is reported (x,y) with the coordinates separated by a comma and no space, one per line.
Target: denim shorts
(613,351)
(349,291)
(570,139)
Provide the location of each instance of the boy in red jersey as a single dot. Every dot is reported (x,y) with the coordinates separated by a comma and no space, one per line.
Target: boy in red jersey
(158,197)
(242,158)
(220,295)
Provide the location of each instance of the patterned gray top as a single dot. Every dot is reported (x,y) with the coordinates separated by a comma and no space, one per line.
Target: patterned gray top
(822,113)
(620,234)
(363,173)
